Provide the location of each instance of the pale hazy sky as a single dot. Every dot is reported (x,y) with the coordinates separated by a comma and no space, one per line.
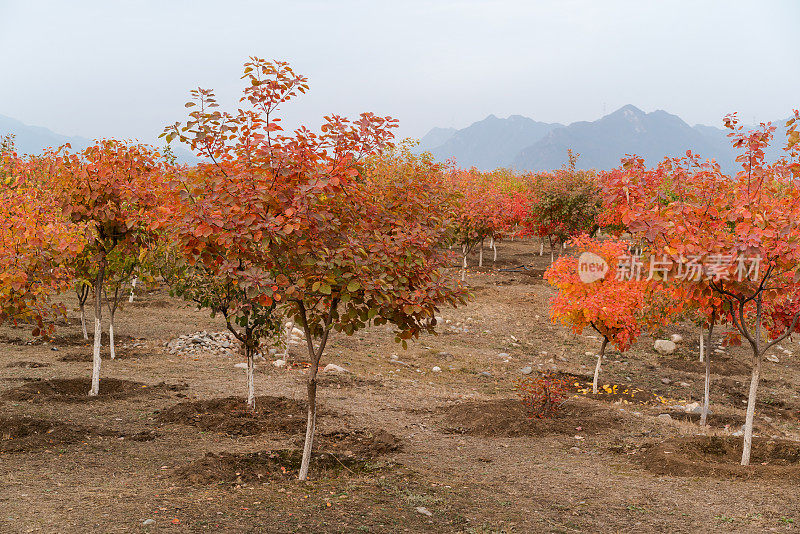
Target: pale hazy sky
(124,68)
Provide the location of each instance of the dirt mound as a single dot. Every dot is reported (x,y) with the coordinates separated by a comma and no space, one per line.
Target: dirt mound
(509,418)
(23,434)
(716,456)
(75,390)
(27,365)
(231,416)
(265,466)
(622,394)
(358,443)
(719,366)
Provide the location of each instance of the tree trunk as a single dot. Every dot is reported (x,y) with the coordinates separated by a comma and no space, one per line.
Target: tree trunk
(597,367)
(251,389)
(494,249)
(133,288)
(111,347)
(707,383)
(751,408)
(464,264)
(541,247)
(311,421)
(701,345)
(82,307)
(98,332)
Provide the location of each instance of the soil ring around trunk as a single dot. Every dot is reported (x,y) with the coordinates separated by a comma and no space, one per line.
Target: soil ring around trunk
(510,418)
(25,434)
(229,415)
(719,456)
(361,443)
(75,390)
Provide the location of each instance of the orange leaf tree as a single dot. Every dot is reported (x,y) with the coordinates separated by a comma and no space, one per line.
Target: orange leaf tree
(740,234)
(36,242)
(611,304)
(302,221)
(111,188)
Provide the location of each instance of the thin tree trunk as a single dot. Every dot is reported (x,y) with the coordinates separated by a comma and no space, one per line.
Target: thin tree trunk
(755,344)
(597,367)
(111,347)
(98,332)
(464,264)
(751,408)
(311,421)
(701,345)
(251,389)
(82,307)
(133,288)
(707,383)
(494,249)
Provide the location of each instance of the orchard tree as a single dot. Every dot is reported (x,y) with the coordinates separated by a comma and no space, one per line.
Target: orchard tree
(596,290)
(111,188)
(36,243)
(738,235)
(560,205)
(295,220)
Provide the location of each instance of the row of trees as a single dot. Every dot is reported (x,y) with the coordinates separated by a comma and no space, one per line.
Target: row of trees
(339,229)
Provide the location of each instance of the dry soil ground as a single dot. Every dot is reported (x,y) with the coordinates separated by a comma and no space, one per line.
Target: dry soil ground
(400,448)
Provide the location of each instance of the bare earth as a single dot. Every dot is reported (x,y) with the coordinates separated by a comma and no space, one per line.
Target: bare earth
(400,448)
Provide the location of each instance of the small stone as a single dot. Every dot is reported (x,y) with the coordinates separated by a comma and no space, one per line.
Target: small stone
(664,417)
(424,511)
(436,369)
(54,349)
(676,338)
(685,384)
(773,358)
(503,355)
(242,365)
(589,353)
(487,374)
(333,368)
(279,363)
(666,380)
(561,358)
(691,407)
(526,370)
(148,522)
(664,346)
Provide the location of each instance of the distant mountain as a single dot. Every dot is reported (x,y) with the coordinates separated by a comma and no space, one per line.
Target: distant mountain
(489,143)
(494,142)
(434,138)
(628,130)
(34,139)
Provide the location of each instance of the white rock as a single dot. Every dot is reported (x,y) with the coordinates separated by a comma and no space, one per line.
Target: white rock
(333,368)
(691,407)
(526,370)
(436,369)
(664,346)
(148,522)
(242,365)
(676,338)
(665,417)
(424,511)
(773,358)
(279,363)
(503,355)
(685,384)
